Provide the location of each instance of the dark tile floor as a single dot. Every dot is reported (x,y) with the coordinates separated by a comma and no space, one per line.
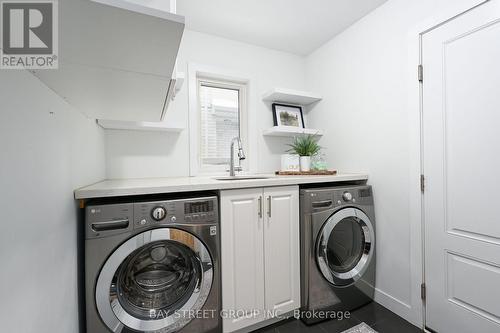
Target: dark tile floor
(373,314)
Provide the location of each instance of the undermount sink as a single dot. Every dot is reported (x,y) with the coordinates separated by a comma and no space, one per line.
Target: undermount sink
(241,178)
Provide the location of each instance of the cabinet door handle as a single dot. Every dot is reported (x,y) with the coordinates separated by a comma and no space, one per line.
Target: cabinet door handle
(269,202)
(260,207)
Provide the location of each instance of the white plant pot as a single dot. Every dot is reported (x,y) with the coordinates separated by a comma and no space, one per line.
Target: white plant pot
(305,163)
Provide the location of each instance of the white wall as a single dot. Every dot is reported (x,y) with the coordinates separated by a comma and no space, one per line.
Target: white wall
(141,154)
(47,150)
(365,75)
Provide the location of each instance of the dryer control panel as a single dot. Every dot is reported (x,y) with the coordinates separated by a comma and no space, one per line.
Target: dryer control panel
(316,200)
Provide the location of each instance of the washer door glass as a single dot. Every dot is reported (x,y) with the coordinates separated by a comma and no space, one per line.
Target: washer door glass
(160,276)
(345,246)
(154,281)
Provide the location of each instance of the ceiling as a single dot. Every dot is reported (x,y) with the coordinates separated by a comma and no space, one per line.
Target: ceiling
(296,26)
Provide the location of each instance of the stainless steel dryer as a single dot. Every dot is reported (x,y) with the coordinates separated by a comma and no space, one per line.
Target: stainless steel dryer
(153,266)
(337,250)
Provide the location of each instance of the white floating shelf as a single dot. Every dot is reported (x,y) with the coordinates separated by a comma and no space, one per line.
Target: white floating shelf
(138,126)
(290,96)
(291,131)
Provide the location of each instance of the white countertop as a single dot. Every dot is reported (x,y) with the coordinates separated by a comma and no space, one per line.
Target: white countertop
(127,187)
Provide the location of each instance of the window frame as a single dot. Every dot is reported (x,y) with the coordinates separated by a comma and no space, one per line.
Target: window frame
(216,79)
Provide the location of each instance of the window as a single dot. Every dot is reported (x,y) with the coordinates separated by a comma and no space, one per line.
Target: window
(221,117)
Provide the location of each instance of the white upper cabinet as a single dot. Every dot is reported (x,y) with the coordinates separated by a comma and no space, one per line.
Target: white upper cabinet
(116,58)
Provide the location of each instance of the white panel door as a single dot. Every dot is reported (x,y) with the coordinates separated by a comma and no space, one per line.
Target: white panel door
(281,248)
(461,111)
(242,252)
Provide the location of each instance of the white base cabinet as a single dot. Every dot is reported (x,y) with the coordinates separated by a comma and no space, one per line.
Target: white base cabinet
(260,254)
(281,249)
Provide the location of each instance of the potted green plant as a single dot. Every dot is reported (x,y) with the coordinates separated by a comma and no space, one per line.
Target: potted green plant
(305,146)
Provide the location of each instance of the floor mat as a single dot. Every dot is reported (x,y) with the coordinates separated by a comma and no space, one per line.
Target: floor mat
(361,328)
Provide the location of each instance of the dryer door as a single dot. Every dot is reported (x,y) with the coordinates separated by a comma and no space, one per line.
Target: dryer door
(345,246)
(154,281)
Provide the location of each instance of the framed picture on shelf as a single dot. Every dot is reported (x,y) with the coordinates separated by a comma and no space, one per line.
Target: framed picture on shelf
(288,115)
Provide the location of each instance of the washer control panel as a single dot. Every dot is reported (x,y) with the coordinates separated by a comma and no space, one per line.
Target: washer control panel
(198,210)
(112,219)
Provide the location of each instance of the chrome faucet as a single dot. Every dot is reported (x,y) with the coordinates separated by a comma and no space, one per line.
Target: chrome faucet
(241,156)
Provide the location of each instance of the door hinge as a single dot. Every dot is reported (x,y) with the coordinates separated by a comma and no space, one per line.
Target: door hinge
(423,292)
(422,183)
(420,73)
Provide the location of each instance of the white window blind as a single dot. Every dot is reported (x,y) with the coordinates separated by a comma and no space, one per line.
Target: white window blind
(220,114)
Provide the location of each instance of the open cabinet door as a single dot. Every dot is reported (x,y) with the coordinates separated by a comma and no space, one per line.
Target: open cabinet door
(116,59)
